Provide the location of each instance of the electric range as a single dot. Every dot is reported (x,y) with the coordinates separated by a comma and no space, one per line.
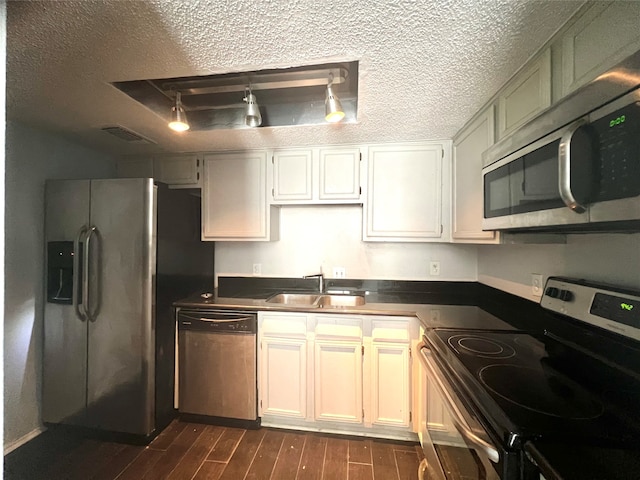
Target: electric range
(576,383)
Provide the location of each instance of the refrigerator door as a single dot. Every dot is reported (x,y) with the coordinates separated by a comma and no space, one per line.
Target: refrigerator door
(121,330)
(64,379)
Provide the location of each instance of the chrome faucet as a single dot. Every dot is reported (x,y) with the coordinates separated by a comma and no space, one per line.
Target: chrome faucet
(320,280)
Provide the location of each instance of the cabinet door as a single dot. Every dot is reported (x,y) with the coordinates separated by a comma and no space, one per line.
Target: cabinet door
(141,167)
(390,373)
(604,35)
(292,175)
(283,377)
(338,381)
(525,96)
(438,420)
(181,170)
(467,197)
(234,197)
(339,174)
(404,187)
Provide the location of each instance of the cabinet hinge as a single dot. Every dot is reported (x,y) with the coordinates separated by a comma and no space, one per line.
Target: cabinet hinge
(362,349)
(273,193)
(198,176)
(197,162)
(441,229)
(410,416)
(363,413)
(272,160)
(360,190)
(442,151)
(360,154)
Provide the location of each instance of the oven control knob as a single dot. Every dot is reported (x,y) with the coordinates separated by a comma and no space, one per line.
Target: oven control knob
(552,292)
(565,295)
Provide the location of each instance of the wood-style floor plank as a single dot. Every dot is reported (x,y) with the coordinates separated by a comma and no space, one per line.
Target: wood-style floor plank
(226,445)
(360,451)
(210,471)
(336,459)
(183,442)
(189,464)
(188,451)
(168,435)
(142,463)
(286,467)
(384,460)
(360,471)
(266,456)
(407,462)
(312,459)
(243,456)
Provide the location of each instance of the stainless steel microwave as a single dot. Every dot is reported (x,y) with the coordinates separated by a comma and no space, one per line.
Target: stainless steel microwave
(584,176)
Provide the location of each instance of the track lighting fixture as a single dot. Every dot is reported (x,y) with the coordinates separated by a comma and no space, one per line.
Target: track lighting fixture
(332,106)
(252,116)
(178,121)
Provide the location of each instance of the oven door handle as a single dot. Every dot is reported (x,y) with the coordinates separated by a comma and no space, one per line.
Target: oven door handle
(457,418)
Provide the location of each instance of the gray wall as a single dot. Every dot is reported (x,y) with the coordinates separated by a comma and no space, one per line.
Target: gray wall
(609,258)
(31,157)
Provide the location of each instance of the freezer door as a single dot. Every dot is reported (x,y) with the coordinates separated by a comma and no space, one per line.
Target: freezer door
(65,334)
(121,339)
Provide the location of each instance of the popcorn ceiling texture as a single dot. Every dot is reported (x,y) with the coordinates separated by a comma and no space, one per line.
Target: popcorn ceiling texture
(426,66)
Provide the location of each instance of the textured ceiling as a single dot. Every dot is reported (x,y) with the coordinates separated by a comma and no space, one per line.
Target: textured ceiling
(426,66)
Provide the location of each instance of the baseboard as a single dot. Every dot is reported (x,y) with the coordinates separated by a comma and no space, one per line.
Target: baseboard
(10,447)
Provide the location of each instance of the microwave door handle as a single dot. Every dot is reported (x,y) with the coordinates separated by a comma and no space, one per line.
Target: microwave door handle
(564,165)
(456,417)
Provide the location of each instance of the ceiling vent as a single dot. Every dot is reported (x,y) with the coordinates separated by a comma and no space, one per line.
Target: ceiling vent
(286,96)
(126,135)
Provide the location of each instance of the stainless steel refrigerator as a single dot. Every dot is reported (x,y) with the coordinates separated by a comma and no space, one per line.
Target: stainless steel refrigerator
(119,252)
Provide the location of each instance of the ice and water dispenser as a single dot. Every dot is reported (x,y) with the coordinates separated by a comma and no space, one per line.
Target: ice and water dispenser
(60,273)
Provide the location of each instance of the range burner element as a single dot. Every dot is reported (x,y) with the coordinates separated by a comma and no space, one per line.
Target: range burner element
(480,346)
(541,391)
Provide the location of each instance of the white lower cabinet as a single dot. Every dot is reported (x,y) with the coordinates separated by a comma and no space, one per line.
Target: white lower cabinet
(282,372)
(336,372)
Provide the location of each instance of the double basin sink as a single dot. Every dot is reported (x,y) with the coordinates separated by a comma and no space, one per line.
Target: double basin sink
(317,300)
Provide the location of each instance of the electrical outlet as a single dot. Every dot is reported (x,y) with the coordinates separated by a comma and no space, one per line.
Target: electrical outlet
(536,284)
(434,268)
(257,268)
(339,272)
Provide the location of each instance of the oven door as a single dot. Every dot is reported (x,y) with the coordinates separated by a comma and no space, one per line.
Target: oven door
(455,445)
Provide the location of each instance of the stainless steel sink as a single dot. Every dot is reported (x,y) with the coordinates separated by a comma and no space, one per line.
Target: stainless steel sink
(341,301)
(317,300)
(302,299)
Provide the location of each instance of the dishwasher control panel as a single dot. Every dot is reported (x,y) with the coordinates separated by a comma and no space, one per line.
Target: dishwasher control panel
(217,321)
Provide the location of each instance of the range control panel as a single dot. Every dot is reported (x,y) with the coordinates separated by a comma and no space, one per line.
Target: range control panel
(614,309)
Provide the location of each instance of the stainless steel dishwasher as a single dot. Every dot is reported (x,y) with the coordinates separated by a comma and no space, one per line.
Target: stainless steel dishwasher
(217,363)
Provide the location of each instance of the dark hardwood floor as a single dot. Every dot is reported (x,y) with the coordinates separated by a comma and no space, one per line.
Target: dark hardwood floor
(196,451)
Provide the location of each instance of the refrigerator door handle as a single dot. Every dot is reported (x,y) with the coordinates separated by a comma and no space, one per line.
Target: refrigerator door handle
(79,308)
(86,287)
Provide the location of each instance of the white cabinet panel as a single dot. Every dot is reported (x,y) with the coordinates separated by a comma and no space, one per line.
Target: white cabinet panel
(234,198)
(292,175)
(390,384)
(467,195)
(339,174)
(438,418)
(327,175)
(404,190)
(283,377)
(181,170)
(338,381)
(525,96)
(604,35)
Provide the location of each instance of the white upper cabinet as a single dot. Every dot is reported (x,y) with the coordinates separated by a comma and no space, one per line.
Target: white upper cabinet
(404,193)
(182,170)
(526,95)
(234,198)
(467,197)
(604,35)
(316,176)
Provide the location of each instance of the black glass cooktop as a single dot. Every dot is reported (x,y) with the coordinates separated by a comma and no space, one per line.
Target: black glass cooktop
(529,386)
